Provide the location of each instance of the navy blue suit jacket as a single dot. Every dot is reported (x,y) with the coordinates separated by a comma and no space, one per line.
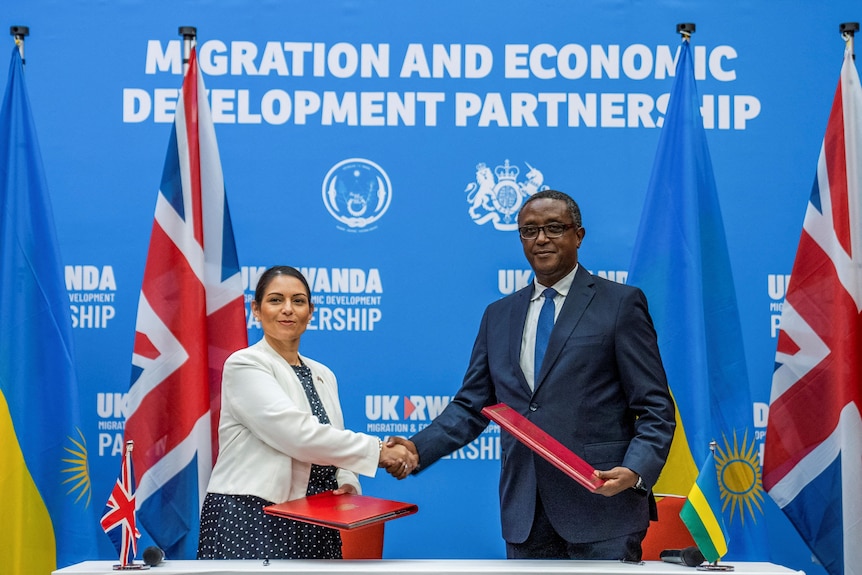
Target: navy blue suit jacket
(601,391)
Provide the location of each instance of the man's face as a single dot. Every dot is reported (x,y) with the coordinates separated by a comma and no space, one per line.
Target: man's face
(550,258)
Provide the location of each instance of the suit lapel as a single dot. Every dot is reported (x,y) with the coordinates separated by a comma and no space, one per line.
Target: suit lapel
(579,297)
(517,319)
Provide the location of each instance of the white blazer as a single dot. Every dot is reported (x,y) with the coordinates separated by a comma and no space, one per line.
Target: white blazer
(268,437)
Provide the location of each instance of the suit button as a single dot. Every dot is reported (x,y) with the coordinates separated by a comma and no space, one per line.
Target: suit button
(534,406)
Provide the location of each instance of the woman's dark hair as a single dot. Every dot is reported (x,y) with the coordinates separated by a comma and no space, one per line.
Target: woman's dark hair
(273,272)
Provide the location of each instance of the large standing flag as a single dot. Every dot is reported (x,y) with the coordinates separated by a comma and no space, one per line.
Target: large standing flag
(44,474)
(681,263)
(118,520)
(813,458)
(702,515)
(191,316)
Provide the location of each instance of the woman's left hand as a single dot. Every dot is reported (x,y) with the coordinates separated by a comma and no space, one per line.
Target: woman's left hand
(347,488)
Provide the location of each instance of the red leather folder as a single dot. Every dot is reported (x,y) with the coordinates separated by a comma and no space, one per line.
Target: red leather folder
(345,511)
(539,441)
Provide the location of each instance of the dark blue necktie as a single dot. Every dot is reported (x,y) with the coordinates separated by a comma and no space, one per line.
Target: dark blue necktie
(543,330)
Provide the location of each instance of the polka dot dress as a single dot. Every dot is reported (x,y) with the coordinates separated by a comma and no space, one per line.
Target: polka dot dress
(235,526)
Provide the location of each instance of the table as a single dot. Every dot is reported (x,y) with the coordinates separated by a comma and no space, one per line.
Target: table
(422,567)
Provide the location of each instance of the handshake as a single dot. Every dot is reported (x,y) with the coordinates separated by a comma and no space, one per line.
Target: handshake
(399,457)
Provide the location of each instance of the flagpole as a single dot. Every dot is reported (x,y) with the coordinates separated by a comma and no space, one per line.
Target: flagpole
(848,31)
(189,34)
(21,32)
(686,29)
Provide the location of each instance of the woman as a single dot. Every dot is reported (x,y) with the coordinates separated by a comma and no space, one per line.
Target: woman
(282,437)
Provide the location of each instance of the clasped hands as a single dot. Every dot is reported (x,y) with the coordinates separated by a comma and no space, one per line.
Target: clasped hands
(399,457)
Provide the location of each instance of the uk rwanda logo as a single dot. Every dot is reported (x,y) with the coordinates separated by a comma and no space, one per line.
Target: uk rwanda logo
(404,407)
(357,193)
(497,196)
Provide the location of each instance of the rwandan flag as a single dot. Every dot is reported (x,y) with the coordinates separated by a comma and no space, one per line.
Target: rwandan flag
(701,513)
(47,521)
(681,263)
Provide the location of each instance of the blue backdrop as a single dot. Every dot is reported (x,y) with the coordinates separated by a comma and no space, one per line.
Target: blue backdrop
(455,111)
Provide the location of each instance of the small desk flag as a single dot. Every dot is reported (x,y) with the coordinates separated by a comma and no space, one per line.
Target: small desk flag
(701,513)
(119,518)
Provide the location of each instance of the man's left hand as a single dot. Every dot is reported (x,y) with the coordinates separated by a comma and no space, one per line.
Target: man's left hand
(617,480)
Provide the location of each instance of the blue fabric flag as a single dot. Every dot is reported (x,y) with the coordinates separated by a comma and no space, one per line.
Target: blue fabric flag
(47,518)
(681,262)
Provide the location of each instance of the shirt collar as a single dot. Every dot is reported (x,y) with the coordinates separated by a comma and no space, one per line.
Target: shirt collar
(561,286)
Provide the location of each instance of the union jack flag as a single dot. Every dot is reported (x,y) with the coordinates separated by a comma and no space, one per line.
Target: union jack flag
(118,520)
(813,457)
(191,316)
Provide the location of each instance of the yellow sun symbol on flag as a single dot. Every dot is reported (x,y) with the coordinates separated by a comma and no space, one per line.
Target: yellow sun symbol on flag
(740,477)
(77,468)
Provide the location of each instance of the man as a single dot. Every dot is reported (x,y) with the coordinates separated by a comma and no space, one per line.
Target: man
(600,390)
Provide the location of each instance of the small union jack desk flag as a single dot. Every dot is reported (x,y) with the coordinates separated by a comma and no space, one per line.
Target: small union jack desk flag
(118,520)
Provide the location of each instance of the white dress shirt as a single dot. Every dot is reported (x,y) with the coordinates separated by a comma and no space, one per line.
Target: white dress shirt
(528,339)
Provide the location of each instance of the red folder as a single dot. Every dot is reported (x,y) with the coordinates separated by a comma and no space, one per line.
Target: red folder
(539,441)
(345,511)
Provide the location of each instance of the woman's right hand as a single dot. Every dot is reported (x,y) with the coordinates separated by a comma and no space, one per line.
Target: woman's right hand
(399,457)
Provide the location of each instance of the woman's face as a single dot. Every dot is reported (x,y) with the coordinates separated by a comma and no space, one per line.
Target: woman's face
(285,309)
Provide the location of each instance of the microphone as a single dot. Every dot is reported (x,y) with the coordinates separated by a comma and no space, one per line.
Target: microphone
(153,556)
(690,556)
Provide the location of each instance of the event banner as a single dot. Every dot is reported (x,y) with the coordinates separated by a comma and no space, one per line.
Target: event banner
(384,149)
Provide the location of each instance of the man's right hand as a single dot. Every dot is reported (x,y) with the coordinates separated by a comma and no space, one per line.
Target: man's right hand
(396,468)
